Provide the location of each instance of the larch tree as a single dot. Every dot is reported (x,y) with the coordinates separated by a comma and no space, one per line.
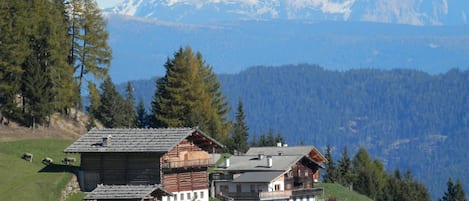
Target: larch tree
(344,169)
(89,52)
(14,49)
(189,95)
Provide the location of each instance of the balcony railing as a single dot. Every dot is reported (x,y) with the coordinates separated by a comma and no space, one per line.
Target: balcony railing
(187,163)
(272,195)
(308,192)
(221,177)
(275,195)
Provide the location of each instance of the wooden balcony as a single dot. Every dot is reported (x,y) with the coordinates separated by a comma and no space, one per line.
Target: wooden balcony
(308,192)
(274,195)
(187,163)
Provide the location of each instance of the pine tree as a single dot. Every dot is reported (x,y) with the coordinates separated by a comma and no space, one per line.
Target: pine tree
(189,96)
(110,112)
(331,171)
(454,192)
(344,169)
(239,133)
(129,107)
(142,116)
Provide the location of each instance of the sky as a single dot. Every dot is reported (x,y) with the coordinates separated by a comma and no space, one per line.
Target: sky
(108,3)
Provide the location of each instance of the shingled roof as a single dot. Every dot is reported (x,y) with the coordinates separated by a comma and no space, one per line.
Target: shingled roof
(124,192)
(288,151)
(136,140)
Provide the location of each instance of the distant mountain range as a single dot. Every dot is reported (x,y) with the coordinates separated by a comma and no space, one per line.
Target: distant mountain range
(414,12)
(141,45)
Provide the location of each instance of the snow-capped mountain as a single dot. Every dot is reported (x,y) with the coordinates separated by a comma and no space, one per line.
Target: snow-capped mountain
(414,12)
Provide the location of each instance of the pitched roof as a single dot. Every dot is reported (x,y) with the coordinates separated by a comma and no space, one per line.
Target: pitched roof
(258,177)
(135,140)
(295,150)
(118,192)
(252,163)
(311,151)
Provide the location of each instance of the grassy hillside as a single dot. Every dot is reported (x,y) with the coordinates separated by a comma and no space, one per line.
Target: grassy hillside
(23,180)
(341,193)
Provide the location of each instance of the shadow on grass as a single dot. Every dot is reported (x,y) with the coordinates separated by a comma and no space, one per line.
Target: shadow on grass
(60,168)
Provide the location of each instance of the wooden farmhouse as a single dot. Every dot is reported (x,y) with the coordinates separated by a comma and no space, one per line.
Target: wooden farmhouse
(270,173)
(148,164)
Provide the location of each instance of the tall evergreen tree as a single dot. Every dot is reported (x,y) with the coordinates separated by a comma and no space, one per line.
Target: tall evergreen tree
(129,106)
(344,169)
(331,170)
(110,112)
(239,133)
(189,95)
(142,116)
(14,49)
(89,52)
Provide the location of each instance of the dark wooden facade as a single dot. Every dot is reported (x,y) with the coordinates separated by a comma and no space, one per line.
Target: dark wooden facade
(119,169)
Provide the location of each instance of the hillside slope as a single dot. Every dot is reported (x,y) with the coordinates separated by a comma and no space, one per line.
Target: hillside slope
(23,180)
(406,118)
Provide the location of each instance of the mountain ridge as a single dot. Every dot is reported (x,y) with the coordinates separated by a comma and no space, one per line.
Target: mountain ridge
(414,12)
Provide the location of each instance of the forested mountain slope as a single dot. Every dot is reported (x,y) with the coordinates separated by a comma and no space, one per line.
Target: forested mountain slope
(408,119)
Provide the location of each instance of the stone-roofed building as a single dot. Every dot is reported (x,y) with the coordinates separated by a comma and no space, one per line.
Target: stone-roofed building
(126,192)
(175,158)
(270,173)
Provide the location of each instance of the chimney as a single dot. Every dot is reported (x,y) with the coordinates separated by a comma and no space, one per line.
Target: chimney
(260,156)
(107,140)
(227,162)
(269,161)
(279,144)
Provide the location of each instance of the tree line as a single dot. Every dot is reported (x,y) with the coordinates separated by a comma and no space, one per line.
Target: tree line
(47,49)
(368,176)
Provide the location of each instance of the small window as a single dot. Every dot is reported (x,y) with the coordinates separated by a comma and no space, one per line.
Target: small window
(277,187)
(201,194)
(238,188)
(195,195)
(253,188)
(182,196)
(175,197)
(306,173)
(188,196)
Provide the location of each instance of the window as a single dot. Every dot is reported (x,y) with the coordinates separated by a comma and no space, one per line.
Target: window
(253,188)
(201,194)
(238,188)
(195,195)
(277,187)
(188,196)
(306,173)
(175,197)
(182,196)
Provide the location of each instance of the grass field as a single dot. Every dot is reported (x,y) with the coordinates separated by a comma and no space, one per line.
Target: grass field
(23,180)
(340,193)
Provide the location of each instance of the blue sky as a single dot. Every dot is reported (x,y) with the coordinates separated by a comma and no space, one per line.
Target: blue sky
(108,3)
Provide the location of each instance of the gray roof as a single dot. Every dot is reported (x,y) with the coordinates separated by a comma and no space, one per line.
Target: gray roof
(252,163)
(118,192)
(258,177)
(134,140)
(295,150)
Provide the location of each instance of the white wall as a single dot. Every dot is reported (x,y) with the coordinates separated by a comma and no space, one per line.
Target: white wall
(199,193)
